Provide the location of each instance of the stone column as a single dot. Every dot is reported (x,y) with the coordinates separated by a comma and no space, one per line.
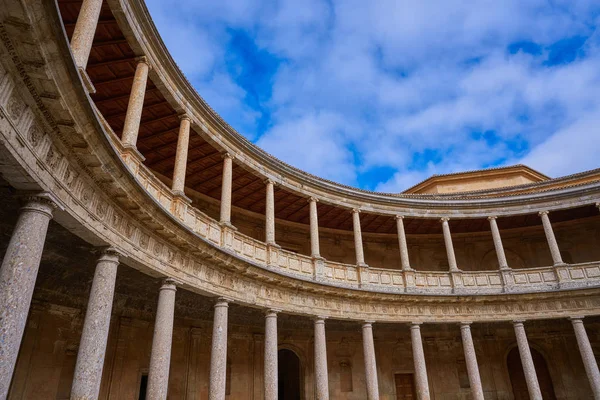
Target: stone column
(589,361)
(370,363)
(471,361)
(321,373)
(226,189)
(133,117)
(85,29)
(160,357)
(314,228)
(218,354)
(92,348)
(404,261)
(181,156)
(533,387)
(271,369)
(270,213)
(358,244)
(419,361)
(554,250)
(498,243)
(17,280)
(449,245)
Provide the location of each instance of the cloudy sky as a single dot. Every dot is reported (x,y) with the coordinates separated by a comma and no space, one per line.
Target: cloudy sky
(382,94)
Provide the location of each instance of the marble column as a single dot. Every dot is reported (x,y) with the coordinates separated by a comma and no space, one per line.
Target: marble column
(226,189)
(160,357)
(358,243)
(315,251)
(271,368)
(133,117)
(321,373)
(92,348)
(85,29)
(370,363)
(449,245)
(471,361)
(552,244)
(17,279)
(270,213)
(181,155)
(533,387)
(218,354)
(419,362)
(587,354)
(404,261)
(498,243)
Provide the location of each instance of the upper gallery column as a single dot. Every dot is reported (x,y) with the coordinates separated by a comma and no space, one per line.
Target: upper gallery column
(358,244)
(85,29)
(498,243)
(92,348)
(587,354)
(321,373)
(181,156)
(554,250)
(370,362)
(218,355)
(404,261)
(270,212)
(419,362)
(533,387)
(133,116)
(160,356)
(271,368)
(315,251)
(226,189)
(471,361)
(449,245)
(17,280)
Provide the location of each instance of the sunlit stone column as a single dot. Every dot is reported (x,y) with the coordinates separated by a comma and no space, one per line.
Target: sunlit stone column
(419,361)
(218,355)
(226,189)
(314,228)
(85,29)
(358,244)
(270,213)
(498,243)
(92,348)
(17,279)
(533,387)
(471,361)
(133,117)
(160,357)
(370,363)
(449,245)
(321,373)
(181,156)
(271,368)
(404,261)
(587,354)
(554,250)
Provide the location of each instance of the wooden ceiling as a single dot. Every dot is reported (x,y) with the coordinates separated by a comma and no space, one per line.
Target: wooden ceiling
(111,68)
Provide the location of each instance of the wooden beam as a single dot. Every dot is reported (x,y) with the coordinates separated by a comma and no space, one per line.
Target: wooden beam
(146,106)
(164,146)
(123,97)
(101,43)
(116,61)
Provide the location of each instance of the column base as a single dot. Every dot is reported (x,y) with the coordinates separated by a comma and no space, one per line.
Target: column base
(132,157)
(87,82)
(363,274)
(456,278)
(318,268)
(272,253)
(227,232)
(180,204)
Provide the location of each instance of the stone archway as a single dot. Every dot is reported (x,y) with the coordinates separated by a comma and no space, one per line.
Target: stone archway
(517,376)
(289,375)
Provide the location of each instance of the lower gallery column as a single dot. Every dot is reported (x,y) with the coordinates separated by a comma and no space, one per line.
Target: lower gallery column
(419,360)
(160,358)
(321,374)
(370,363)
(533,387)
(271,367)
(92,348)
(471,361)
(218,354)
(17,280)
(587,354)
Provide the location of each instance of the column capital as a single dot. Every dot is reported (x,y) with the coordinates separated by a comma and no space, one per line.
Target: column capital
(227,155)
(518,322)
(445,219)
(356,211)
(42,202)
(222,302)
(109,253)
(576,318)
(168,284)
(397,217)
(598,205)
(543,213)
(272,312)
(367,323)
(318,319)
(492,217)
(312,199)
(465,324)
(143,60)
(269,181)
(414,325)
(184,117)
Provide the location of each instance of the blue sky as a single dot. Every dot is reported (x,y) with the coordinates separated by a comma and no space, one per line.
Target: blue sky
(382,94)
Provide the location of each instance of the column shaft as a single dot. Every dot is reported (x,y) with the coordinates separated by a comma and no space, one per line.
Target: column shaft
(17,280)
(181,156)
(370,363)
(498,243)
(218,355)
(85,29)
(533,387)
(270,213)
(471,361)
(133,116)
(160,357)
(226,189)
(358,244)
(321,373)
(419,361)
(552,243)
(449,245)
(271,367)
(92,348)
(587,354)
(314,228)
(404,261)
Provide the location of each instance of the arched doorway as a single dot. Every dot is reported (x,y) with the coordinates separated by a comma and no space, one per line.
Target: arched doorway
(289,375)
(517,376)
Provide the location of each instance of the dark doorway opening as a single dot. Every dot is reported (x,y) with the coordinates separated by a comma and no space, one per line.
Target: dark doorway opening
(143,387)
(405,387)
(517,376)
(288,375)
